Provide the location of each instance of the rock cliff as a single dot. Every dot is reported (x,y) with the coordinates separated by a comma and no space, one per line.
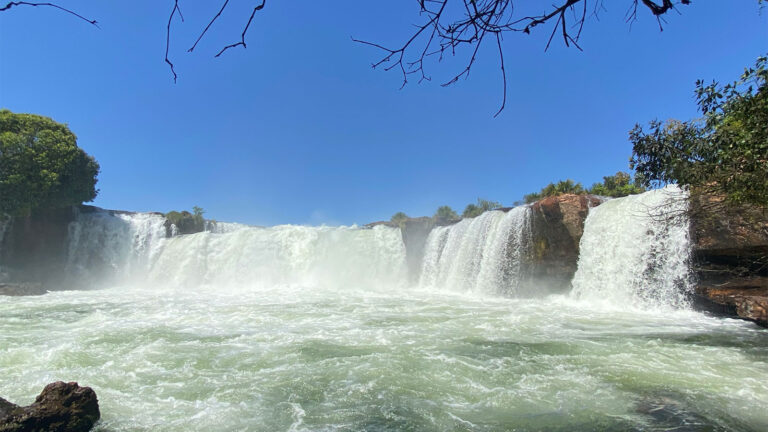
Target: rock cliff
(557,224)
(730,255)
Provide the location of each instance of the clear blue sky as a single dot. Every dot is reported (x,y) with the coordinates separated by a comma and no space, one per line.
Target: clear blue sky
(299,129)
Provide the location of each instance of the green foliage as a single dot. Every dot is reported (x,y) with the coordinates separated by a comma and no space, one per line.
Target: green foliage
(399,218)
(724,152)
(482,206)
(445,214)
(41,166)
(554,189)
(619,185)
(186,222)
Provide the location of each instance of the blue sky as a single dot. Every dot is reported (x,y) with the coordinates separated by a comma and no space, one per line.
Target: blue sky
(298,128)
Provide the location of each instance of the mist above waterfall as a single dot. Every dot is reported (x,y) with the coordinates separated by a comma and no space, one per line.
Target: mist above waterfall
(108,248)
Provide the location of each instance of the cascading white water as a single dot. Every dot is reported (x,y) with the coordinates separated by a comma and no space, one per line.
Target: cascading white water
(286,254)
(109,246)
(119,248)
(635,251)
(481,254)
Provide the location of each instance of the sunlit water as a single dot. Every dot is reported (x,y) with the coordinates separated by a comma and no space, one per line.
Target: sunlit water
(290,358)
(316,329)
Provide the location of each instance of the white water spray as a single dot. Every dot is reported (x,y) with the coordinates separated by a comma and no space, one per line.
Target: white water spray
(481,254)
(108,247)
(635,251)
(121,248)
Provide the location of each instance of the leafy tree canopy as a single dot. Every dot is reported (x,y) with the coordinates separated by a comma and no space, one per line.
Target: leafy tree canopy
(554,189)
(41,166)
(398,218)
(482,206)
(186,222)
(619,185)
(724,152)
(445,214)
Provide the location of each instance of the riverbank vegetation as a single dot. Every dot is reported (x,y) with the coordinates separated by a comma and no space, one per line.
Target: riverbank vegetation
(725,152)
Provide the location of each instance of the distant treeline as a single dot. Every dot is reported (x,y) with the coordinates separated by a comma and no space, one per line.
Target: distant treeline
(619,185)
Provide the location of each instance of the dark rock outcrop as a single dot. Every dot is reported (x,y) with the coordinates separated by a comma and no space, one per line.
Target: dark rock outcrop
(21,289)
(61,407)
(34,248)
(557,224)
(730,253)
(415,232)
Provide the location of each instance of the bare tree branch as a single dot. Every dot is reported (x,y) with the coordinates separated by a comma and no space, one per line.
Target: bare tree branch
(446,30)
(209,25)
(168,35)
(245,30)
(53,5)
(450,30)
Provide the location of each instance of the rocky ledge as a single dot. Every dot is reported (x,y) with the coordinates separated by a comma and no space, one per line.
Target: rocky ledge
(557,224)
(61,407)
(21,289)
(730,253)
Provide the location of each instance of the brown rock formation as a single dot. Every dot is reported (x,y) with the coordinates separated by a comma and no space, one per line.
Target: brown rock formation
(557,224)
(731,257)
(61,407)
(415,232)
(21,289)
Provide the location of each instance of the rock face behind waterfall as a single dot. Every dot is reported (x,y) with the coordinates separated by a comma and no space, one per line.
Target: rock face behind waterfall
(61,407)
(731,257)
(556,229)
(34,248)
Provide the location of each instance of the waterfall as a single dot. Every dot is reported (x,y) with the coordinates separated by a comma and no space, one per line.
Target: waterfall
(286,254)
(132,248)
(107,247)
(636,250)
(482,254)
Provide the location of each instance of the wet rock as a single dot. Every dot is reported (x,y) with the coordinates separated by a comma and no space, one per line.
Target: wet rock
(415,232)
(61,407)
(745,298)
(557,224)
(22,289)
(34,248)
(730,253)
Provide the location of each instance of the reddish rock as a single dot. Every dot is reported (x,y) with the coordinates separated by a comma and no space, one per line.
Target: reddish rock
(61,407)
(557,224)
(730,250)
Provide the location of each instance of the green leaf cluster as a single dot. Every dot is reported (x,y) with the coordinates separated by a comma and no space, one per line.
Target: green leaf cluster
(399,218)
(186,222)
(41,166)
(482,206)
(553,189)
(724,152)
(445,214)
(619,185)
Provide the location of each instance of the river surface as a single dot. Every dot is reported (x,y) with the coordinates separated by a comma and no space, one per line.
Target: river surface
(297,359)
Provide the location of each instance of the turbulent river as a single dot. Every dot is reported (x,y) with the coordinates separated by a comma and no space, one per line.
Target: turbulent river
(294,328)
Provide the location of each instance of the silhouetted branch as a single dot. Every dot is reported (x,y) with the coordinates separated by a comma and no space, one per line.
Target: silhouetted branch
(53,5)
(168,35)
(245,30)
(209,25)
(448,30)
(468,25)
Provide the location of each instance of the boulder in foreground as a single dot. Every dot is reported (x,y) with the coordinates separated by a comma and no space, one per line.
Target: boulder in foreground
(61,407)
